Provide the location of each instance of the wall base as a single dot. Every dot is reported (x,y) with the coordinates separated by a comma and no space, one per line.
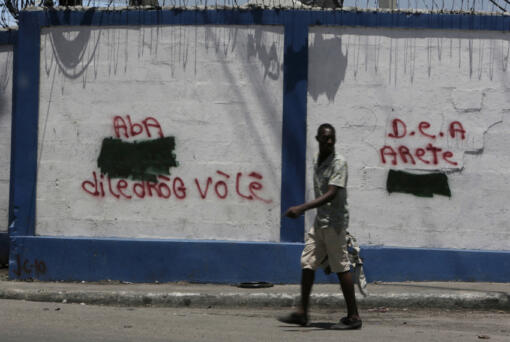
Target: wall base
(77,259)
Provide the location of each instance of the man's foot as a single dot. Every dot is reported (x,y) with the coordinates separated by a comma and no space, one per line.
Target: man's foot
(348,323)
(294,318)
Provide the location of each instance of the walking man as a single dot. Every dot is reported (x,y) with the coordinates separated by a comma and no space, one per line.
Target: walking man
(326,242)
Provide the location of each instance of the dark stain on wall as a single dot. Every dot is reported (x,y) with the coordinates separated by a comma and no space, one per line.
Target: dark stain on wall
(422,185)
(140,160)
(327,53)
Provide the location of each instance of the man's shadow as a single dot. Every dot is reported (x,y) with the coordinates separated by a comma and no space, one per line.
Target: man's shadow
(310,327)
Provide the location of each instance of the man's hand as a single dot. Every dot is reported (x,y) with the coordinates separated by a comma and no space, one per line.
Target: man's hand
(298,210)
(294,212)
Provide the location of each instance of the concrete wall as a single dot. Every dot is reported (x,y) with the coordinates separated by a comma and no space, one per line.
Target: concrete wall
(441,93)
(6,58)
(227,104)
(216,90)
(7,39)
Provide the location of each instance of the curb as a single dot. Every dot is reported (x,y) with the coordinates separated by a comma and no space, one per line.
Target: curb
(459,300)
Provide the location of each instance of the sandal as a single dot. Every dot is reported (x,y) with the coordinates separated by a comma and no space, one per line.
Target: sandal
(347,323)
(294,318)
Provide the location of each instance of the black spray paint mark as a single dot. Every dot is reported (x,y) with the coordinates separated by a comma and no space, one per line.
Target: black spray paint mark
(140,160)
(425,185)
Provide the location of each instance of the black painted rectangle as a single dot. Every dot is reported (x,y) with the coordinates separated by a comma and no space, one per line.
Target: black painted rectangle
(140,160)
(423,185)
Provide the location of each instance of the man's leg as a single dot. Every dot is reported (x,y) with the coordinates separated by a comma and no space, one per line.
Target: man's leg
(307,279)
(352,321)
(310,257)
(339,3)
(300,316)
(347,285)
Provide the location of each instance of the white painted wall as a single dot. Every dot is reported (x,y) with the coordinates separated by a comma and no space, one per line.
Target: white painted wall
(6,56)
(360,80)
(217,90)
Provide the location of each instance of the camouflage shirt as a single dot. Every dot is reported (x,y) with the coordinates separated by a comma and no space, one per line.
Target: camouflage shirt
(332,171)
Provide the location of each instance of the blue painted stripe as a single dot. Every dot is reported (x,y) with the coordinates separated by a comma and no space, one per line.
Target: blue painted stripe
(418,264)
(151,260)
(272,17)
(24,125)
(76,259)
(295,87)
(162,17)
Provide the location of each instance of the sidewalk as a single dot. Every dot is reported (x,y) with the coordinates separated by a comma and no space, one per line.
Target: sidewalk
(451,295)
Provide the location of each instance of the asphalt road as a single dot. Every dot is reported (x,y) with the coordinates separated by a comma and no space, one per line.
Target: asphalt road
(41,322)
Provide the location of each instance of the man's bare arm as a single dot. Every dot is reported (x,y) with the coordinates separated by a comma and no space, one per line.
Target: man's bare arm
(298,210)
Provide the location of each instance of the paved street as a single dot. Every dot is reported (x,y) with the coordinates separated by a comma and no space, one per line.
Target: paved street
(33,321)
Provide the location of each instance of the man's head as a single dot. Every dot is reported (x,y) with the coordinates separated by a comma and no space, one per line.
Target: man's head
(326,137)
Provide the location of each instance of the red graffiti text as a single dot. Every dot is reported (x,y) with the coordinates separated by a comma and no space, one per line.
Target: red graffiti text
(400,130)
(120,188)
(430,154)
(221,188)
(126,128)
(221,185)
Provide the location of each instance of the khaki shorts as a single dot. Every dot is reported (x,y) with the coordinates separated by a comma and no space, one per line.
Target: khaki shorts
(326,246)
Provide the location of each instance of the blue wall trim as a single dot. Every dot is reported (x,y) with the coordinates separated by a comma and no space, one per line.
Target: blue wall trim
(24,125)
(77,259)
(49,258)
(418,264)
(295,87)
(271,17)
